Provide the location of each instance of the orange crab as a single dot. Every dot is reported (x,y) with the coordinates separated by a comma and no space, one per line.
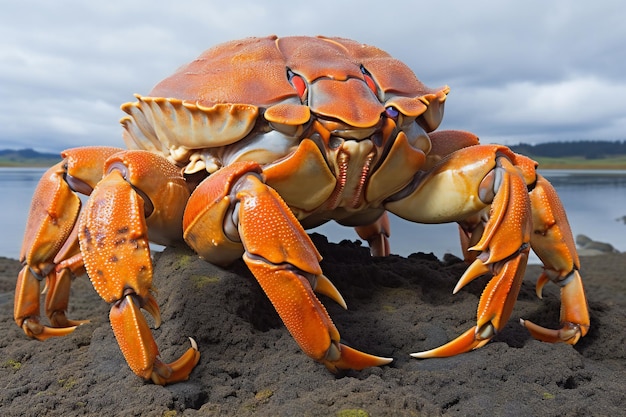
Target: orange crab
(242,149)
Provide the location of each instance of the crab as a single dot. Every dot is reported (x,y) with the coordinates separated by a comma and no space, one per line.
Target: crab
(241,150)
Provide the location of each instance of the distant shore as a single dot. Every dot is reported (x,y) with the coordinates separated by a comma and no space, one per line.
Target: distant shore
(613,163)
(30,165)
(547,163)
(574,155)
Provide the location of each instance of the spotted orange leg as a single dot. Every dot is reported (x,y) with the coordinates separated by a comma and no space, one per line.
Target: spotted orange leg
(553,243)
(140,191)
(500,221)
(50,247)
(234,213)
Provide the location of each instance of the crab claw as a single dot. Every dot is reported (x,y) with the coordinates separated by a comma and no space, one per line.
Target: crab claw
(282,259)
(574,314)
(49,249)
(137,344)
(139,188)
(236,208)
(553,243)
(306,318)
(494,308)
(489,200)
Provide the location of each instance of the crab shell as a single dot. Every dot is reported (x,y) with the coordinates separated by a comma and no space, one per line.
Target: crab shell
(231,89)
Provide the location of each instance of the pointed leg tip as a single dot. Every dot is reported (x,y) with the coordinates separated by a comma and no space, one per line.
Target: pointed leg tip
(475,270)
(324,286)
(354,359)
(77,323)
(41,332)
(570,333)
(381,360)
(179,370)
(464,343)
(59,320)
(541,282)
(152,307)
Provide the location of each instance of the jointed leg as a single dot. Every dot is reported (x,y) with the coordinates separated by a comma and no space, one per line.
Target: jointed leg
(553,242)
(278,252)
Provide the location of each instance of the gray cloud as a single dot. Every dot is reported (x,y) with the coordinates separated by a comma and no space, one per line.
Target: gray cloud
(520,71)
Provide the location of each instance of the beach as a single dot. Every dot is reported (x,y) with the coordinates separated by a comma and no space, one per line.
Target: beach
(250,364)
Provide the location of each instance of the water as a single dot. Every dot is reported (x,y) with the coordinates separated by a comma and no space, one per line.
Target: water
(594,200)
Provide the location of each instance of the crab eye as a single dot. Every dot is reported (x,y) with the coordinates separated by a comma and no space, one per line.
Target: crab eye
(369,80)
(297,82)
(392,112)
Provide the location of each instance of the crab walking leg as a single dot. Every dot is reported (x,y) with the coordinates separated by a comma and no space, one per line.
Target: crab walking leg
(279,253)
(69,265)
(377,235)
(48,240)
(492,191)
(553,243)
(57,289)
(52,216)
(114,242)
(285,262)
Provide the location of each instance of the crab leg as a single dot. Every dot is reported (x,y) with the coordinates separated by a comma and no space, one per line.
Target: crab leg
(49,240)
(69,265)
(553,243)
(489,198)
(279,253)
(139,187)
(377,235)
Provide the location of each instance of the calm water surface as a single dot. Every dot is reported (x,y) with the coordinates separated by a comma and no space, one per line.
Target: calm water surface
(594,201)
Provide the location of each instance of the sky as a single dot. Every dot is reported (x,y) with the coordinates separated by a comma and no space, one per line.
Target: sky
(519,71)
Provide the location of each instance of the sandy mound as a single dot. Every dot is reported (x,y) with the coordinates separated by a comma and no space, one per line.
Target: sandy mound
(251,365)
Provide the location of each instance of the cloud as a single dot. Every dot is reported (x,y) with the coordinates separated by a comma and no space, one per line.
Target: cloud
(531,70)
(569,109)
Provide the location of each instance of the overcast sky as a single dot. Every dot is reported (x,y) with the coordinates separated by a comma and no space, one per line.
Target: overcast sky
(530,71)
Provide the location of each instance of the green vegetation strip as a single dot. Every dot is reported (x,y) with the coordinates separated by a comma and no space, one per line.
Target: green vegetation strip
(614,162)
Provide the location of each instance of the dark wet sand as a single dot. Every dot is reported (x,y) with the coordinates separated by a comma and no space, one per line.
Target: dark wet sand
(250,365)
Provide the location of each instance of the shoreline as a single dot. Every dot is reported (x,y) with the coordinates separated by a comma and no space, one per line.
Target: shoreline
(546,167)
(552,164)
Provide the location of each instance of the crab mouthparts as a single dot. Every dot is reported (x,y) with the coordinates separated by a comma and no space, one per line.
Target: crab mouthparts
(352,155)
(354,162)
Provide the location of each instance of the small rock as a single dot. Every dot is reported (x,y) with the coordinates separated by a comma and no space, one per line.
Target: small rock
(582,240)
(588,246)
